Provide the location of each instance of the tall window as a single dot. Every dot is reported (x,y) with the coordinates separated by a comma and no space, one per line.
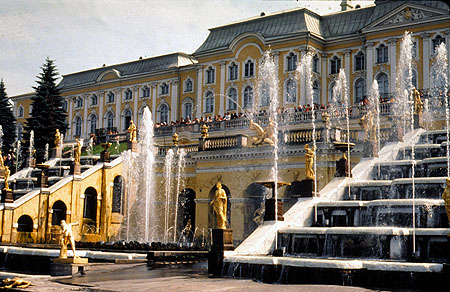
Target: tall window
(20,112)
(187,110)
(291,91)
(210,75)
(233,71)
(291,62)
(128,94)
(382,54)
(79,102)
(164,89)
(335,65)
(383,84)
(92,123)
(248,97)
(315,64)
(94,99)
(436,42)
(209,102)
(110,97)
(188,85)
(359,61)
(110,120)
(126,118)
(65,106)
(232,99)
(249,69)
(164,113)
(145,91)
(264,94)
(78,123)
(90,204)
(316,92)
(359,90)
(414,50)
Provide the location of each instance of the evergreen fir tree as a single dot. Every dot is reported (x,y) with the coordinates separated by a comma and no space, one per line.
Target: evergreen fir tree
(7,121)
(48,113)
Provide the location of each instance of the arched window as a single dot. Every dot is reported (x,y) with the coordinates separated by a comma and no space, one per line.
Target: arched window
(187,108)
(436,42)
(79,102)
(382,54)
(233,71)
(315,64)
(20,112)
(249,68)
(248,97)
(92,123)
(126,118)
(359,61)
(359,90)
(145,91)
(210,72)
(232,99)
(110,97)
(78,123)
(188,85)
(128,94)
(164,89)
(264,94)
(187,203)
(90,204)
(110,120)
(164,113)
(59,210)
(291,91)
(25,224)
(316,92)
(117,194)
(414,78)
(209,102)
(94,99)
(291,62)
(383,84)
(335,64)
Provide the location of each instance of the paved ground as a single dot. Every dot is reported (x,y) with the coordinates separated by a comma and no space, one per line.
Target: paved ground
(136,278)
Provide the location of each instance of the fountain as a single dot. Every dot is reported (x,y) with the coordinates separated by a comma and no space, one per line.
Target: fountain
(168,164)
(181,154)
(1,138)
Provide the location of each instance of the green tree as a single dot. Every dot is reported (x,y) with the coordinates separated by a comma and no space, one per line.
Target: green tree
(7,121)
(47,113)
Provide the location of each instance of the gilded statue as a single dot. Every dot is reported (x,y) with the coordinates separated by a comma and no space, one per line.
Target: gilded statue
(446,197)
(2,163)
(9,283)
(309,161)
(220,206)
(132,131)
(57,138)
(175,139)
(66,238)
(370,128)
(77,153)
(263,136)
(418,104)
(6,176)
(204,131)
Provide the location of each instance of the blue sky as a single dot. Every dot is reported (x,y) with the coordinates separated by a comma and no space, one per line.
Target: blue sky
(84,34)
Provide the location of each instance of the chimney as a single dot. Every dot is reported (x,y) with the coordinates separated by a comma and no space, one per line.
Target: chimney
(346,5)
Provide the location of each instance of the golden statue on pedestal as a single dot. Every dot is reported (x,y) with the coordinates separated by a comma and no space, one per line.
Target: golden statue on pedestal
(175,139)
(263,136)
(77,153)
(446,197)
(132,131)
(57,138)
(66,238)
(6,175)
(418,104)
(220,206)
(309,161)
(204,131)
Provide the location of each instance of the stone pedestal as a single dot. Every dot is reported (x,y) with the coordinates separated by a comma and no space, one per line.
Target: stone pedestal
(75,169)
(370,149)
(270,210)
(307,188)
(104,156)
(68,266)
(43,181)
(133,146)
(418,121)
(57,153)
(7,196)
(222,239)
(342,169)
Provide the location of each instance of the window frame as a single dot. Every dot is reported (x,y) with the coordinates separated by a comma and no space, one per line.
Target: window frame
(249,69)
(145,92)
(164,89)
(360,61)
(111,97)
(232,106)
(335,65)
(210,75)
(209,102)
(382,54)
(233,71)
(290,93)
(291,62)
(248,94)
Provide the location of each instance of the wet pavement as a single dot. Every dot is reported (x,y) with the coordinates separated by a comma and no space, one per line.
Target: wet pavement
(136,278)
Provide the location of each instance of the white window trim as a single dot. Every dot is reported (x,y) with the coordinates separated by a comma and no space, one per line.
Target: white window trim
(160,86)
(242,94)
(214,102)
(205,75)
(354,88)
(243,68)
(329,64)
(375,54)
(107,98)
(227,99)
(229,71)
(185,86)
(286,61)
(185,101)
(354,61)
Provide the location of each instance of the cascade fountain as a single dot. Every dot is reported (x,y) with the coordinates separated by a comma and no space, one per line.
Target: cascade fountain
(181,154)
(168,164)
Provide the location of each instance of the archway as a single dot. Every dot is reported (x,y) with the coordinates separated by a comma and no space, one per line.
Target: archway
(254,207)
(212,220)
(187,209)
(59,212)
(25,224)
(90,205)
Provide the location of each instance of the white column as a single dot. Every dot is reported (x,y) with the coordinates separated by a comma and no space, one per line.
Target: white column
(85,118)
(347,55)
(135,104)
(101,100)
(198,103)
(393,63)
(369,65)
(154,95)
(222,89)
(174,100)
(118,102)
(426,60)
(324,75)
(69,133)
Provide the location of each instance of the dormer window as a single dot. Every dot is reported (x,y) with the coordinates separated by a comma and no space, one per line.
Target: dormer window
(94,99)
(110,97)
(233,71)
(382,54)
(291,62)
(436,42)
(188,85)
(249,69)
(335,63)
(128,94)
(359,61)
(210,75)
(145,91)
(164,89)
(79,102)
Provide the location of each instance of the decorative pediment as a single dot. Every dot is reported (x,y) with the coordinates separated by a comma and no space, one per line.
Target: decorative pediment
(108,75)
(409,14)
